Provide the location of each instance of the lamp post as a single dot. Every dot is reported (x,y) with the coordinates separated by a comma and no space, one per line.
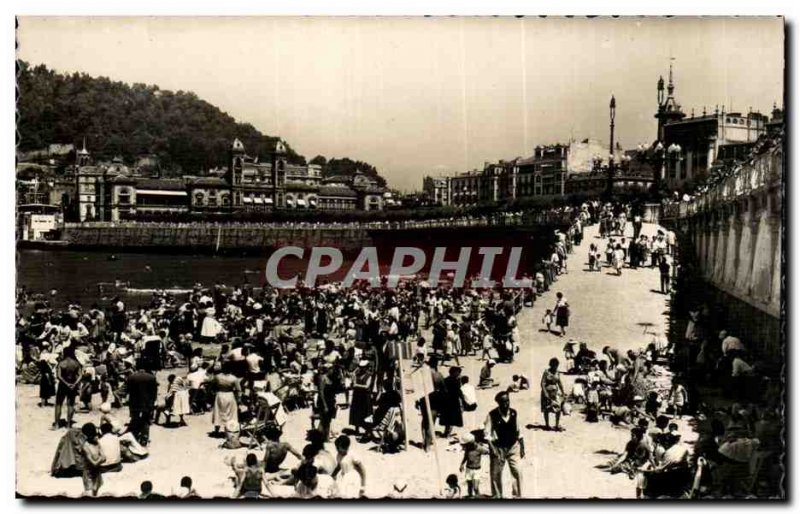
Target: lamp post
(612,112)
(658,163)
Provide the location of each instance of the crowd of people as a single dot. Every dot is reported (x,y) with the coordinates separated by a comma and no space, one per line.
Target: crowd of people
(251,357)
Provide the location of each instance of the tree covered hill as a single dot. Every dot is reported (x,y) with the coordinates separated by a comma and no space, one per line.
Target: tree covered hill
(188,134)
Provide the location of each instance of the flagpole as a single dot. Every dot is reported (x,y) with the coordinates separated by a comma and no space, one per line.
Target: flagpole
(404,410)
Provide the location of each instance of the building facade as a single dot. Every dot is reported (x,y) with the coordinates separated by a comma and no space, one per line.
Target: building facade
(113,192)
(694,143)
(437,190)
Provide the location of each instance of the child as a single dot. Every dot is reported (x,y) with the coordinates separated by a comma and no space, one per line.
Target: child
(471,464)
(452,490)
(249,479)
(569,353)
(547,319)
(347,462)
(488,344)
(186,490)
(592,403)
(518,383)
(652,404)
(93,460)
(421,353)
(678,398)
(145,490)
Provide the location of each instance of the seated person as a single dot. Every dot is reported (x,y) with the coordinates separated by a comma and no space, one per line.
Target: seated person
(110,444)
(486,379)
(389,432)
(312,484)
(249,478)
(468,394)
(275,453)
(518,383)
(584,357)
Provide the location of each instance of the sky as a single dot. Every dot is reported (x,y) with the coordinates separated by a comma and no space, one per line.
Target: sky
(428,96)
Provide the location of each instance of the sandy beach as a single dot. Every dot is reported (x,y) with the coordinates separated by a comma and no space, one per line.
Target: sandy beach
(624,312)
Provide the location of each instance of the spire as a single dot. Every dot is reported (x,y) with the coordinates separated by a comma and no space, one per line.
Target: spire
(671,86)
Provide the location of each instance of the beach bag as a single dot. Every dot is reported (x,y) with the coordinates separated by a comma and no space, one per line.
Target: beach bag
(566,408)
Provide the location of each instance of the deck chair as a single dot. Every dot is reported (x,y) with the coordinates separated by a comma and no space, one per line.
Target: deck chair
(254,428)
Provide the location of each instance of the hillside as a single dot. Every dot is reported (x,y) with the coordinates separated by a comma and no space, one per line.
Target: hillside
(186,133)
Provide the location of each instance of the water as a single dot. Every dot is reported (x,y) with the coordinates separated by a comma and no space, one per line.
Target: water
(76,275)
(90,277)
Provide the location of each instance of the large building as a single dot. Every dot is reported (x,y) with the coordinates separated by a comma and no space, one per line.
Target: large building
(693,143)
(437,190)
(112,192)
(546,173)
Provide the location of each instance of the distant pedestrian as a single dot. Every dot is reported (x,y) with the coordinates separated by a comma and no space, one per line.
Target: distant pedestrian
(664,269)
(562,313)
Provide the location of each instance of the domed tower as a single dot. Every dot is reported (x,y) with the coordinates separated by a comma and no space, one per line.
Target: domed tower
(668,108)
(278,172)
(234,176)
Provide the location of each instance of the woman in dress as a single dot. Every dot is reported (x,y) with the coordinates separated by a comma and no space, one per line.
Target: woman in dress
(552,394)
(361,404)
(561,311)
(226,407)
(451,414)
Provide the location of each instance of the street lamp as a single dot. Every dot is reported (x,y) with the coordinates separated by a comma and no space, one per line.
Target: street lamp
(612,113)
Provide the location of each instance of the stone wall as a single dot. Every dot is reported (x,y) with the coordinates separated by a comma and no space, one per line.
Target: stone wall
(735,231)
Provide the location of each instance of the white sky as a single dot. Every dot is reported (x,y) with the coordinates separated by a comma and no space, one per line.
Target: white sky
(417,96)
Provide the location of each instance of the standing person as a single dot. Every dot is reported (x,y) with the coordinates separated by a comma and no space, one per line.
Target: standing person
(471,464)
(637,225)
(552,394)
(664,268)
(561,311)
(361,405)
(47,382)
(93,459)
(68,376)
(618,259)
(451,414)
(142,392)
(505,445)
(225,412)
(326,400)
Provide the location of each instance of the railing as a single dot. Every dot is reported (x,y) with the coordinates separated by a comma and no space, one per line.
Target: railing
(499,220)
(763,171)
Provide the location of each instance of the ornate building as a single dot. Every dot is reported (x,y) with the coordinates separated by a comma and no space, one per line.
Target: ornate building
(691,144)
(112,192)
